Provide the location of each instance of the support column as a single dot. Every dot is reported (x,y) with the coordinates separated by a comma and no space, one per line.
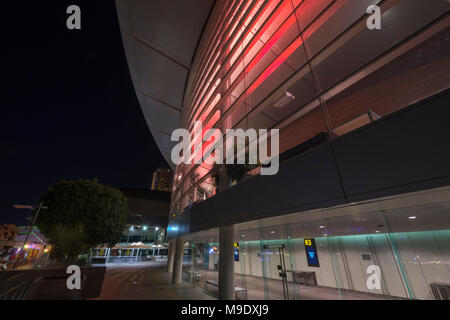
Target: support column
(170,256)
(178,260)
(226,263)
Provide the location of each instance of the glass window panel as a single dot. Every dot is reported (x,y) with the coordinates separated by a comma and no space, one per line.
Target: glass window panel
(289,97)
(310,10)
(335,20)
(302,129)
(271,78)
(238,111)
(413,76)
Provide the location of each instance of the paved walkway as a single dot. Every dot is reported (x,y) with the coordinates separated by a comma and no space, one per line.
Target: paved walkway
(146,281)
(150,281)
(260,289)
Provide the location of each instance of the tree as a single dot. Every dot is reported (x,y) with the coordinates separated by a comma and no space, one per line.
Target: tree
(97,212)
(68,242)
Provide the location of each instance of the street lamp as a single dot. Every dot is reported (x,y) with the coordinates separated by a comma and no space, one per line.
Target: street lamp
(36,209)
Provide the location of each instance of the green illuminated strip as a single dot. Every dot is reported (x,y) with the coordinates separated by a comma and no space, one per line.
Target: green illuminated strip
(37,236)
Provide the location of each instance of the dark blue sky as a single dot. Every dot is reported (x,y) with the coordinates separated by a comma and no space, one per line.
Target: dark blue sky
(68,107)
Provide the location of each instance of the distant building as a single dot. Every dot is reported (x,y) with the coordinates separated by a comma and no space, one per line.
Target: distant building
(144,234)
(148,215)
(162,180)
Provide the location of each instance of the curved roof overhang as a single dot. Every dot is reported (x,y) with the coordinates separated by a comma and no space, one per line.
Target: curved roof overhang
(160,39)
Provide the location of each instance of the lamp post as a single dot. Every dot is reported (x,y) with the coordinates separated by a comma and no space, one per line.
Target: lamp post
(128,234)
(156,238)
(144,228)
(36,209)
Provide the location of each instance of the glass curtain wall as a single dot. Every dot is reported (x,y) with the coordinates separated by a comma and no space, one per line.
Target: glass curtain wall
(311,69)
(201,261)
(395,248)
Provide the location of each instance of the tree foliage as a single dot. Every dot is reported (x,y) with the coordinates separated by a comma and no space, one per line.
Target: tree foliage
(100,211)
(68,242)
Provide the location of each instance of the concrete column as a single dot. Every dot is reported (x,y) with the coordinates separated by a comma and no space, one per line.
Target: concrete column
(226,263)
(178,260)
(170,256)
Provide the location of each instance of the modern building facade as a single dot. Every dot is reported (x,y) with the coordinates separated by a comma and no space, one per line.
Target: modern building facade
(162,180)
(148,216)
(360,207)
(144,236)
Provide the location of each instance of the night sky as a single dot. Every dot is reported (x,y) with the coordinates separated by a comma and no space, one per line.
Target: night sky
(68,106)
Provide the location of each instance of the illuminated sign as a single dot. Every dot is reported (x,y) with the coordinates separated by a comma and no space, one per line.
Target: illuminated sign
(311,253)
(236,251)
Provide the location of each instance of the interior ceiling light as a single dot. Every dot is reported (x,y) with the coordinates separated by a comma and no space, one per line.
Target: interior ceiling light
(284,100)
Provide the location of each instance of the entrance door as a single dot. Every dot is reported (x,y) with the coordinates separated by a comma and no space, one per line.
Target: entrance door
(275,272)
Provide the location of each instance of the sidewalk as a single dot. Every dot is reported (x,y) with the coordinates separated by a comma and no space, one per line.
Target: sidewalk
(146,281)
